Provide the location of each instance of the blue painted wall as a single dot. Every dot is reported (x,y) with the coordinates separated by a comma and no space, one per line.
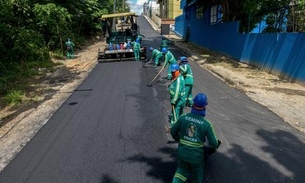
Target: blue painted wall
(279,53)
(179,25)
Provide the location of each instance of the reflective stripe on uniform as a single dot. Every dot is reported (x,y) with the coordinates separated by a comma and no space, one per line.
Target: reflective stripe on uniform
(190,99)
(189,75)
(191,144)
(181,177)
(183,68)
(177,90)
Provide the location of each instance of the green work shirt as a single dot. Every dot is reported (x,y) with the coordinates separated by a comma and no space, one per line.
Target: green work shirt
(164,43)
(169,59)
(136,46)
(191,131)
(70,45)
(187,73)
(177,90)
(156,54)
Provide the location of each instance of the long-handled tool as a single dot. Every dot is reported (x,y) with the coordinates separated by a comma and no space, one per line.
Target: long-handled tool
(150,84)
(174,113)
(167,128)
(145,65)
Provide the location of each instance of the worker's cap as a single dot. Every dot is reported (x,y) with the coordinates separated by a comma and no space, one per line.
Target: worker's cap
(164,50)
(174,67)
(200,101)
(183,59)
(151,48)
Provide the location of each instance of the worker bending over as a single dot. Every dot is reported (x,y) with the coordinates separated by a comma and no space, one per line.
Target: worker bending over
(176,93)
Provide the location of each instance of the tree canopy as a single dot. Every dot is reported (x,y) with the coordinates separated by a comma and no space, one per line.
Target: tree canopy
(30,29)
(276,13)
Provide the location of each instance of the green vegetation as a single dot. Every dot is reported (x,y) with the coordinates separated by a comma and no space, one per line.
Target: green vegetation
(280,15)
(34,31)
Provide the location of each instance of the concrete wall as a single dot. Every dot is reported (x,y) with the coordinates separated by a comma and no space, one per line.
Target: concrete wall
(278,53)
(156,16)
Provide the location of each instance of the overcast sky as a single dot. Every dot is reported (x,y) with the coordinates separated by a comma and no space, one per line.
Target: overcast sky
(137,5)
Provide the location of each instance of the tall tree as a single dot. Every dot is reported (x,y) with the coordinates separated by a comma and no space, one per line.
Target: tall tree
(249,12)
(296,17)
(30,29)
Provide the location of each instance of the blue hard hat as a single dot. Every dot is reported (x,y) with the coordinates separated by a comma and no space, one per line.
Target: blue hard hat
(200,101)
(164,50)
(151,48)
(137,40)
(174,67)
(183,59)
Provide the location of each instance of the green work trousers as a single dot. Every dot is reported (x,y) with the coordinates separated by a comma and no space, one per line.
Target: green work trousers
(178,107)
(169,72)
(136,54)
(70,54)
(188,95)
(184,169)
(158,60)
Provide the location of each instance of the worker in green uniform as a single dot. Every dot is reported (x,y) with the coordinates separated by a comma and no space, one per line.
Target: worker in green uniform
(70,49)
(191,131)
(156,55)
(187,74)
(140,37)
(169,60)
(164,43)
(136,49)
(176,93)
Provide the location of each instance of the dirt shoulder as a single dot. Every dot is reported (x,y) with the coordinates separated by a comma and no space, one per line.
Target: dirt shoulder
(19,124)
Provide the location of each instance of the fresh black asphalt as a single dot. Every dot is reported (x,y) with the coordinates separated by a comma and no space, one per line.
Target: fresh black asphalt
(111,130)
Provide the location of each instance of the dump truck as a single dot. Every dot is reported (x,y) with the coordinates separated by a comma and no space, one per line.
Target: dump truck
(120,30)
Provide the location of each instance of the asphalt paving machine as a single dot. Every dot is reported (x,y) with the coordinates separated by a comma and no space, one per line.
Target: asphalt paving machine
(120,30)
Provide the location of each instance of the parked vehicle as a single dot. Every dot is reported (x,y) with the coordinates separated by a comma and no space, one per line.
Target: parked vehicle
(121,30)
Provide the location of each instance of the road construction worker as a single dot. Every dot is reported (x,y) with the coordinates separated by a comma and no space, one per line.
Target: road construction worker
(140,37)
(169,60)
(164,43)
(156,55)
(176,93)
(70,49)
(187,74)
(191,131)
(136,49)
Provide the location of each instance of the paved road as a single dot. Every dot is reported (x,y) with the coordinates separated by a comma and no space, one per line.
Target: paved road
(111,130)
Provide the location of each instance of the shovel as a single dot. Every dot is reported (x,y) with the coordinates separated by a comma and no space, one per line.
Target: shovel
(150,84)
(145,65)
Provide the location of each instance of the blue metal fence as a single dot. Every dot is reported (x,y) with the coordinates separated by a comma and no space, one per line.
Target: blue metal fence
(279,53)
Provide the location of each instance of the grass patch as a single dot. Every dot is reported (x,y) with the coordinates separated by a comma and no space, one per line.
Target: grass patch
(15,82)
(14,97)
(58,54)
